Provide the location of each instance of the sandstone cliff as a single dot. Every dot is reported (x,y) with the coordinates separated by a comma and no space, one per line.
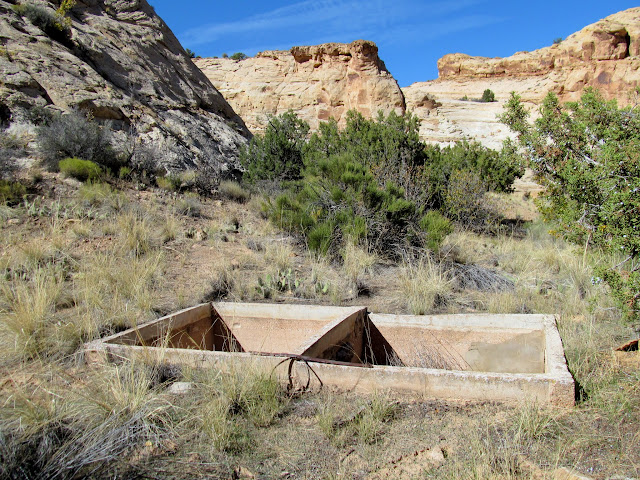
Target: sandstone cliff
(604,55)
(123,64)
(316,82)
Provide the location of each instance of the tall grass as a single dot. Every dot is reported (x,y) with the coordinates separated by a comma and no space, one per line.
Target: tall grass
(135,233)
(280,255)
(29,306)
(113,292)
(424,286)
(87,428)
(234,191)
(233,401)
(356,264)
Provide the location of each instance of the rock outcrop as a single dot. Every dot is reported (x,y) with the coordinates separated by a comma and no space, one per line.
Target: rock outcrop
(316,82)
(123,64)
(604,55)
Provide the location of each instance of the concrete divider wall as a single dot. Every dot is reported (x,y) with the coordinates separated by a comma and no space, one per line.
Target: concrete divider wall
(284,328)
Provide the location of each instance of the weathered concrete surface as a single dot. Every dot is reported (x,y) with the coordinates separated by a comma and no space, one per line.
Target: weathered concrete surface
(465,342)
(292,329)
(524,353)
(528,345)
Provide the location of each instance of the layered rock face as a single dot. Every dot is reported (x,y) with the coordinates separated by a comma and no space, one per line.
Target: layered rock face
(604,55)
(122,64)
(316,82)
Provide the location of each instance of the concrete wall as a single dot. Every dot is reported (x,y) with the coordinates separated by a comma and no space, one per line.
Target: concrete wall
(486,357)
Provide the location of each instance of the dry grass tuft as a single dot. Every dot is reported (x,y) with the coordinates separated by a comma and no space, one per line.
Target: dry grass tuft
(425,286)
(356,264)
(102,195)
(189,204)
(364,420)
(234,401)
(135,234)
(221,284)
(279,255)
(169,229)
(90,428)
(233,191)
(29,306)
(114,293)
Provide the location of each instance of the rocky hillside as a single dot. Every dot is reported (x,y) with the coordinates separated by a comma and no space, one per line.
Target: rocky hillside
(120,61)
(316,82)
(604,55)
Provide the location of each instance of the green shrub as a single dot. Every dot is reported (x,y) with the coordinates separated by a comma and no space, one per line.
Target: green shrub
(125,173)
(586,155)
(388,146)
(391,149)
(278,154)
(467,204)
(238,56)
(170,182)
(320,237)
(488,96)
(54,24)
(74,135)
(497,170)
(372,181)
(39,115)
(338,199)
(557,41)
(11,192)
(436,227)
(189,53)
(79,169)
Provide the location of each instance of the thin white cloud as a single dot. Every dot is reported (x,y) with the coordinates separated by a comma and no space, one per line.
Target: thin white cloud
(432,30)
(330,18)
(298,14)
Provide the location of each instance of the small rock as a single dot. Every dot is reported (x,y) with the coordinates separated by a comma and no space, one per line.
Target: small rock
(170,446)
(242,473)
(72,182)
(532,470)
(179,388)
(411,466)
(14,221)
(436,456)
(201,235)
(564,473)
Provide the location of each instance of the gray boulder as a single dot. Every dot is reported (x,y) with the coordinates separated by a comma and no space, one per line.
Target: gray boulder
(120,62)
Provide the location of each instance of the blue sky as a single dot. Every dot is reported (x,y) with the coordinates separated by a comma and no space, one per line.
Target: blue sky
(411,34)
